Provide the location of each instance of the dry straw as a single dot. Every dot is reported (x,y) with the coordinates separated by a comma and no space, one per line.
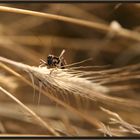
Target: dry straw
(93,25)
(33,115)
(124,126)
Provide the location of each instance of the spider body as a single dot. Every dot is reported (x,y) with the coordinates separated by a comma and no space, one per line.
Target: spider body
(54,61)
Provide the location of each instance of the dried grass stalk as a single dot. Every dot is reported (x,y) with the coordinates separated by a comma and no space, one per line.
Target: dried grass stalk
(124,126)
(94,25)
(33,114)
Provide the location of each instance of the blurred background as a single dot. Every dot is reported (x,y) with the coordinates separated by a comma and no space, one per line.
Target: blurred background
(28,39)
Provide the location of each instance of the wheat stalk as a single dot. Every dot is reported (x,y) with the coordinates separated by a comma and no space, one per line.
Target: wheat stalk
(125,126)
(98,26)
(33,114)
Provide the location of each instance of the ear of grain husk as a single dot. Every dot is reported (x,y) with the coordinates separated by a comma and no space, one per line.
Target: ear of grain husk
(68,81)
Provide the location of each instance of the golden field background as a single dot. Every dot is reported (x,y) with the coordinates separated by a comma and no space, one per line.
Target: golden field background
(113,41)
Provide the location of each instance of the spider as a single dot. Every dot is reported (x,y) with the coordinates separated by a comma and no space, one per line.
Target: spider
(54,61)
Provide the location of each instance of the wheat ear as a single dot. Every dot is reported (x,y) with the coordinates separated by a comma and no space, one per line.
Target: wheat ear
(67,81)
(92,120)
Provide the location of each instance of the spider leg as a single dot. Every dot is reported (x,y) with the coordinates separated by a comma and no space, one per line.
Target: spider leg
(63,51)
(42,63)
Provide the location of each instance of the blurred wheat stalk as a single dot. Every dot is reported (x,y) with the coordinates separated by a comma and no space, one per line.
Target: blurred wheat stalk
(118,30)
